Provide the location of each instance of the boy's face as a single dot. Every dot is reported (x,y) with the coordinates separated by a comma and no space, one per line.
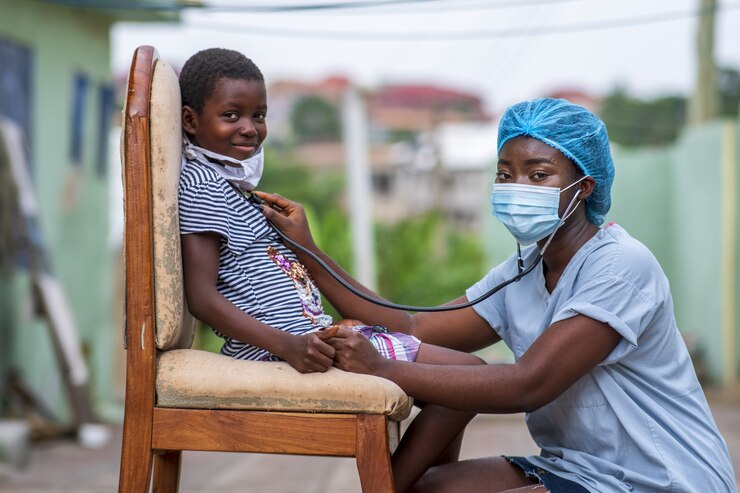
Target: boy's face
(232,122)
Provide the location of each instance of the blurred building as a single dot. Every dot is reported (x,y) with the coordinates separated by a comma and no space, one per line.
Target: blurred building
(426,142)
(56,87)
(577,96)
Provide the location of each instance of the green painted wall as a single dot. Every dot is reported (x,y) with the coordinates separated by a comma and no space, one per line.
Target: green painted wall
(641,199)
(73,200)
(696,278)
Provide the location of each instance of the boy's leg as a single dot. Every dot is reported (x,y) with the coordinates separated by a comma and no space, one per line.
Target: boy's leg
(435,435)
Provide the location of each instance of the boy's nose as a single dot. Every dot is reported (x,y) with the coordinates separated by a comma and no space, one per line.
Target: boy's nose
(248,129)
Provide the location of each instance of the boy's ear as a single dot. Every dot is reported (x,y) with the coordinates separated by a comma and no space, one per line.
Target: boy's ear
(189,120)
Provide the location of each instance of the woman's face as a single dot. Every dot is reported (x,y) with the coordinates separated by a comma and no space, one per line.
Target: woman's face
(528,161)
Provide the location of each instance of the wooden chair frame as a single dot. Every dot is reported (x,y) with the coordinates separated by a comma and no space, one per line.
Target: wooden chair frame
(154,437)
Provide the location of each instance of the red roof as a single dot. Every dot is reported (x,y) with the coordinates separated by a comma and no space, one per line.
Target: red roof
(421,96)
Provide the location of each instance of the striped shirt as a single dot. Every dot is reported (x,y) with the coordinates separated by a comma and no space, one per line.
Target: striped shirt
(256,272)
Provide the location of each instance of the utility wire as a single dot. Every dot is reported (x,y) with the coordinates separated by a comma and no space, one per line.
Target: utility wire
(458,6)
(430,6)
(162,6)
(395,36)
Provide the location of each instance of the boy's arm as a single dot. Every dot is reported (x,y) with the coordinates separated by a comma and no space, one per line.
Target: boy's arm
(200,255)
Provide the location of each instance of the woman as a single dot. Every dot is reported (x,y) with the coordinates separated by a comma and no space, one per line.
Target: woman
(600,367)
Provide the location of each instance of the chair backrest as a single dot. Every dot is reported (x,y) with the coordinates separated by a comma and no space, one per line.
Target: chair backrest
(174,327)
(174,324)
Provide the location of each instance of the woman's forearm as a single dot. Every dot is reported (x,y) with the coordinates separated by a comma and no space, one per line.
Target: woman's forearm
(482,389)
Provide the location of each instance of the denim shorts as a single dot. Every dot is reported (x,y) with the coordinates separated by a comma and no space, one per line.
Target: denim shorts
(553,482)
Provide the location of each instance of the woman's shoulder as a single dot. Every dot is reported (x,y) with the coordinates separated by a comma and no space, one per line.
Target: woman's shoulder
(617,240)
(615,253)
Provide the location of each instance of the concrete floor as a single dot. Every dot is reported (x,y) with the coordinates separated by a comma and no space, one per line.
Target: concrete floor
(64,466)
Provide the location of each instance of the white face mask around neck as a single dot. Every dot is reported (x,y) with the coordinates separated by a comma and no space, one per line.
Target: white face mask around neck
(245,174)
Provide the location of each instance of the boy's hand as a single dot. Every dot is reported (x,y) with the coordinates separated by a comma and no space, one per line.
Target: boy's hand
(309,353)
(288,216)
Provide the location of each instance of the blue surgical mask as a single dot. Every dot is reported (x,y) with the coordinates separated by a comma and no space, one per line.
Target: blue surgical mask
(529,212)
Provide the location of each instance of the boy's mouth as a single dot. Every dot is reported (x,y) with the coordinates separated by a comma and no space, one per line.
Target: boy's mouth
(246,148)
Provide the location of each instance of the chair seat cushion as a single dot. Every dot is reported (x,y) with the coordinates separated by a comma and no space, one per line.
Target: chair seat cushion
(188,378)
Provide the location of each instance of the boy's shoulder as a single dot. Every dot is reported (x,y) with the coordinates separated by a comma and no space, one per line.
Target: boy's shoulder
(194,174)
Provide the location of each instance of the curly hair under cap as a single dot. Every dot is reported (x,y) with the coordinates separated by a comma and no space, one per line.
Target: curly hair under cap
(202,71)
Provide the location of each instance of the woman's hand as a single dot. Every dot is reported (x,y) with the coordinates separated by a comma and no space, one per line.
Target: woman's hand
(355,353)
(310,353)
(288,216)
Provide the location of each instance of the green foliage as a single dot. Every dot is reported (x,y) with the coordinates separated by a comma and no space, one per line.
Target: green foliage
(422,263)
(634,122)
(401,135)
(318,190)
(315,119)
(206,339)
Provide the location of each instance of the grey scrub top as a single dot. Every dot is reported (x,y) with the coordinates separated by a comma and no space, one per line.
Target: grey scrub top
(639,421)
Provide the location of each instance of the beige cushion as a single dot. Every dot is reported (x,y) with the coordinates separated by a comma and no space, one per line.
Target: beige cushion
(190,378)
(175,325)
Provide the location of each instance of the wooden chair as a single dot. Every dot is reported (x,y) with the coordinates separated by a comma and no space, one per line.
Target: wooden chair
(180,399)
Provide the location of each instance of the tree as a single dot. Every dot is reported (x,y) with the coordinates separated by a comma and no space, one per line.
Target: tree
(729,92)
(635,122)
(314,119)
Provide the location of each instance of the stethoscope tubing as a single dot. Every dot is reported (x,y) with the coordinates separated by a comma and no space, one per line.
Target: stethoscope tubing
(257,203)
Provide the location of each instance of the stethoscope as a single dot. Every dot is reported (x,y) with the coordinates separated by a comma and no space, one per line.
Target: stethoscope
(257,203)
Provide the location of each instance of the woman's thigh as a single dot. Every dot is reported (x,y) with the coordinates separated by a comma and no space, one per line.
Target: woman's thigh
(487,475)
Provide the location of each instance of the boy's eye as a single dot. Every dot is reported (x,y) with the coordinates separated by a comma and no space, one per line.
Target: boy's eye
(231,116)
(260,116)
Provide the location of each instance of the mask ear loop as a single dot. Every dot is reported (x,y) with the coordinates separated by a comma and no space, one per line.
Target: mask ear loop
(566,214)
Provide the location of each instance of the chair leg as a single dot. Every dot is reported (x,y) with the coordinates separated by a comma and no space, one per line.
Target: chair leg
(167,471)
(136,467)
(373,456)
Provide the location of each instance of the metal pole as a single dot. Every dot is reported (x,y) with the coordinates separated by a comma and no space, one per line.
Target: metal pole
(354,122)
(704,102)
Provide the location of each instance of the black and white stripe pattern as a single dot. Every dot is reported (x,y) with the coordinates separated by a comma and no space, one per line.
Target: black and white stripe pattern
(247,276)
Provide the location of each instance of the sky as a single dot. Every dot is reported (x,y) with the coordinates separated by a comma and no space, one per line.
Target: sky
(504,50)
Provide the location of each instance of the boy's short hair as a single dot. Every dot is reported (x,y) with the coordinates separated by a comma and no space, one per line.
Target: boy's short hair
(202,71)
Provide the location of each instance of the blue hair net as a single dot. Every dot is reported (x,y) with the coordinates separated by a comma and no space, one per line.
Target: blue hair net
(573,130)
